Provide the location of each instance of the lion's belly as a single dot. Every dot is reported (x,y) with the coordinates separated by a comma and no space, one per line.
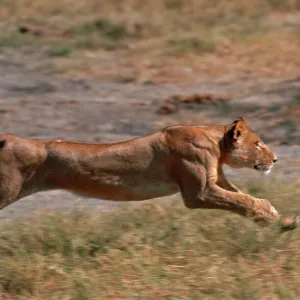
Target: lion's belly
(155,189)
(126,188)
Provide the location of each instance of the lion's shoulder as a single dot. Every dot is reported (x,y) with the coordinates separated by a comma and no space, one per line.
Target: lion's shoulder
(191,137)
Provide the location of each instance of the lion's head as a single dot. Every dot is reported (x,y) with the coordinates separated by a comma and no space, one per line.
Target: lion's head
(246,149)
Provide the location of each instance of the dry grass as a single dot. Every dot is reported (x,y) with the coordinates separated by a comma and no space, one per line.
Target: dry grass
(156,251)
(159,40)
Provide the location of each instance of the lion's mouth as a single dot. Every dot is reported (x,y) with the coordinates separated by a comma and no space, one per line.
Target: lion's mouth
(263,168)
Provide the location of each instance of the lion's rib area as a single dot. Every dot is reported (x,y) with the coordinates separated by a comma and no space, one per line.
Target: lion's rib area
(131,170)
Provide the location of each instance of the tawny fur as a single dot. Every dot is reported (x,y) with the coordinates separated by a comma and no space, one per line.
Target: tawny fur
(186,159)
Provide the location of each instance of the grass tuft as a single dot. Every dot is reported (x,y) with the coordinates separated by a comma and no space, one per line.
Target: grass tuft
(59,50)
(196,45)
(102,26)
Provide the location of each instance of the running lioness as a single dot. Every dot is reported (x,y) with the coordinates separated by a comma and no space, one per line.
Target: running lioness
(185,159)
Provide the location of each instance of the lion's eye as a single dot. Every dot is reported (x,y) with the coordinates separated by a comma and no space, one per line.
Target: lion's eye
(257,144)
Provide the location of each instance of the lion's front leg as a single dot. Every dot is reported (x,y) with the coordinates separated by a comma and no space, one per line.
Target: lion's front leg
(224,183)
(243,204)
(199,189)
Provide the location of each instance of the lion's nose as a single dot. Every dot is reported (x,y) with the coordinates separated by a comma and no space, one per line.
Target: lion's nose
(274,160)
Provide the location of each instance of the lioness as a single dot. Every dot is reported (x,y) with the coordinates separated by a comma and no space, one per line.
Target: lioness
(185,159)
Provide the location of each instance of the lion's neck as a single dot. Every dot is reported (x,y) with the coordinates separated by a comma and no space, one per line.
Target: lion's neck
(225,145)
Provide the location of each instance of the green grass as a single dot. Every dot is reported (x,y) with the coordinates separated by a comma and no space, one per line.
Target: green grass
(155,251)
(59,50)
(101,26)
(196,45)
(14,41)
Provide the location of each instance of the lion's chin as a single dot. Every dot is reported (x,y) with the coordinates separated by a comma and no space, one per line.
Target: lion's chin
(267,172)
(263,169)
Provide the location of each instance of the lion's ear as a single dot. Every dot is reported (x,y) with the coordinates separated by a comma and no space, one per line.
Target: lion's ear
(238,129)
(240,119)
(2,144)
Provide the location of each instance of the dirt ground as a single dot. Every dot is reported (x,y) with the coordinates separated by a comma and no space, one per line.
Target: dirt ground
(35,105)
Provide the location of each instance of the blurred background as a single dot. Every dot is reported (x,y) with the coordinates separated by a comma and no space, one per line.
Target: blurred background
(157,41)
(103,71)
(60,60)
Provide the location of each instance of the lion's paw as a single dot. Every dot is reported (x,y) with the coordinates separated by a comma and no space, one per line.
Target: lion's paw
(289,222)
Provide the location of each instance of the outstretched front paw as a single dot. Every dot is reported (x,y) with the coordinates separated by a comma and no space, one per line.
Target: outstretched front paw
(265,213)
(289,222)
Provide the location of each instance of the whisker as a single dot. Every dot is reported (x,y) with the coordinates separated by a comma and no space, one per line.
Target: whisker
(286,194)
